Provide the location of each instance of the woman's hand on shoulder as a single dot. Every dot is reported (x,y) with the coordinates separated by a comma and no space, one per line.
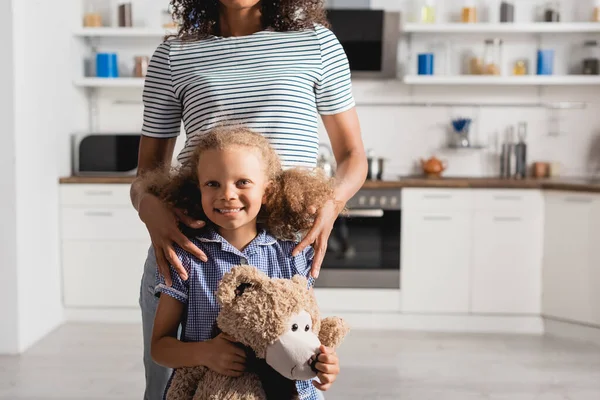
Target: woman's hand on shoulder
(319,234)
(161,223)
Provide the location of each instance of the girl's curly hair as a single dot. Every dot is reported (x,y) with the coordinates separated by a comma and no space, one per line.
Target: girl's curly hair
(200,18)
(291,197)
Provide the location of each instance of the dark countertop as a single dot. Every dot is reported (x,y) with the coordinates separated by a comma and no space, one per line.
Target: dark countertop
(569,184)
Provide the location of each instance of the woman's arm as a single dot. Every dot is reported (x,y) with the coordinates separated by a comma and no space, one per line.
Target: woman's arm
(343,130)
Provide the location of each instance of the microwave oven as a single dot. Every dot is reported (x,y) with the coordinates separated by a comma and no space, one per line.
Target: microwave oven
(105,154)
(370,40)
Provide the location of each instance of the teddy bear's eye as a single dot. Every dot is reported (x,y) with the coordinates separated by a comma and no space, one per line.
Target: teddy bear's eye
(294,327)
(306,328)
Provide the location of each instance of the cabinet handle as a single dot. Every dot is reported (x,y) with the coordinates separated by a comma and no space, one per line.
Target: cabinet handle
(583,200)
(98,214)
(98,192)
(507,219)
(437,196)
(437,218)
(508,197)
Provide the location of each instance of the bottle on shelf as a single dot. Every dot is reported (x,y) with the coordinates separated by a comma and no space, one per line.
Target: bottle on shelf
(552,11)
(469,12)
(507,11)
(427,11)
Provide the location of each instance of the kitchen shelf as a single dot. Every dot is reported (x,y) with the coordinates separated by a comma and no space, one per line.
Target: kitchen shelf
(123,32)
(109,82)
(528,80)
(509,28)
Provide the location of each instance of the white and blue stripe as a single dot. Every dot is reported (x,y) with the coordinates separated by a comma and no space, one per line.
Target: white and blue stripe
(276,83)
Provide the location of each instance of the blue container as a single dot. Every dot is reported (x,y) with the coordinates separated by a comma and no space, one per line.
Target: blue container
(545,62)
(426,64)
(107,65)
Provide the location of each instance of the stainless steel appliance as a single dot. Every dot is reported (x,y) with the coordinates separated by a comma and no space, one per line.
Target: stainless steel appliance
(364,247)
(370,40)
(105,153)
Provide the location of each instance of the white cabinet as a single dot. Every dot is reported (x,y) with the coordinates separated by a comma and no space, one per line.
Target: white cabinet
(471,251)
(571,261)
(104,246)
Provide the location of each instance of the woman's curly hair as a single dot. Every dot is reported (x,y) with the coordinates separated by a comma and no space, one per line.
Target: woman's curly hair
(200,18)
(291,197)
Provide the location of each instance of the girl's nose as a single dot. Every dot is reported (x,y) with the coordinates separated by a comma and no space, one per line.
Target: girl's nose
(229,192)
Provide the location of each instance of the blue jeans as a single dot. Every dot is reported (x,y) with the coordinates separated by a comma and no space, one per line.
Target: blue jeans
(156,376)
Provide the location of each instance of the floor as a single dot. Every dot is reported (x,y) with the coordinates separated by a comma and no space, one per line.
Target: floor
(87,361)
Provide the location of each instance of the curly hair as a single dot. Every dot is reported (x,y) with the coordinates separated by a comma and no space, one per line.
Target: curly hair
(291,196)
(200,18)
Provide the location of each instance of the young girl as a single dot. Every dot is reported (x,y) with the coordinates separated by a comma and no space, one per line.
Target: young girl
(234,180)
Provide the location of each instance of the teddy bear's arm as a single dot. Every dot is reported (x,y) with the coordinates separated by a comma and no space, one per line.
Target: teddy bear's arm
(333,330)
(185,382)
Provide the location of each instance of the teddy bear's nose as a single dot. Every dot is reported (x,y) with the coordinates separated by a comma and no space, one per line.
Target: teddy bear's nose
(313,362)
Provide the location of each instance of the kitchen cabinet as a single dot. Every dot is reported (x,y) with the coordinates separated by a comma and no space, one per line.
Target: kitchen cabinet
(471,251)
(571,257)
(103,246)
(436,243)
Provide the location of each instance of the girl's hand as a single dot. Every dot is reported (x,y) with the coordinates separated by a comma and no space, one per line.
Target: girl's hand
(319,234)
(328,365)
(224,356)
(161,223)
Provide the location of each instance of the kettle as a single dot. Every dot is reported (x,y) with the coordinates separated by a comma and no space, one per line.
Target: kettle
(375,166)
(433,167)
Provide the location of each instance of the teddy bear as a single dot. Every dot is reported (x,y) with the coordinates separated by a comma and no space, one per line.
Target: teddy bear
(277,321)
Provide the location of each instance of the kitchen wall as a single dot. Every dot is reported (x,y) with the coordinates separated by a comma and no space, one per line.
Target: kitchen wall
(405,134)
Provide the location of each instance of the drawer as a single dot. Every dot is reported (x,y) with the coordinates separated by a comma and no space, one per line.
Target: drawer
(437,199)
(103,223)
(512,199)
(95,194)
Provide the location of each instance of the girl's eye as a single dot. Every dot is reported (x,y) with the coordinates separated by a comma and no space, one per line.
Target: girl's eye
(243,182)
(212,184)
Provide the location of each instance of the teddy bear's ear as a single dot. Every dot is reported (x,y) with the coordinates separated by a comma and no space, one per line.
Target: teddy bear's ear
(236,281)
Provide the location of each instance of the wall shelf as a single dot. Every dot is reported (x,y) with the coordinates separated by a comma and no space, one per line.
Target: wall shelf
(109,82)
(122,32)
(528,80)
(508,28)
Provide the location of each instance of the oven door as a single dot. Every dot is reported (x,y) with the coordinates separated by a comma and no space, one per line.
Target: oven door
(363,251)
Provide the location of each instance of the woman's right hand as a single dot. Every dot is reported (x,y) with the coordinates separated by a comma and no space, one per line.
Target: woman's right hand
(224,356)
(161,223)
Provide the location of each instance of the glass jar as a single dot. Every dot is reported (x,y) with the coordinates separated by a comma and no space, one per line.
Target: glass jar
(469,12)
(92,18)
(520,68)
(590,64)
(552,11)
(492,57)
(427,11)
(596,12)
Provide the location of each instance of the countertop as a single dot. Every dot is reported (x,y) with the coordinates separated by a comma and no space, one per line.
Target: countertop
(569,184)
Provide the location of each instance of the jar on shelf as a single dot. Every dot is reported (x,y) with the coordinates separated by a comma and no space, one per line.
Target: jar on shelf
(469,12)
(590,64)
(596,11)
(520,68)
(92,17)
(552,11)
(492,57)
(426,11)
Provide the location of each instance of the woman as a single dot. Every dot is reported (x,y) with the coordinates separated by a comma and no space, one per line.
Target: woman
(270,65)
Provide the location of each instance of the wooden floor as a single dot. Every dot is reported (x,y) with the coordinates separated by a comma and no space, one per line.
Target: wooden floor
(104,362)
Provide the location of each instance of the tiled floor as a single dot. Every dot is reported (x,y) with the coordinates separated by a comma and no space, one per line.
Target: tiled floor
(103,362)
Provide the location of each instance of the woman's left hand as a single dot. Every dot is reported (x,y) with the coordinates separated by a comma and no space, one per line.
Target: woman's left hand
(328,367)
(318,235)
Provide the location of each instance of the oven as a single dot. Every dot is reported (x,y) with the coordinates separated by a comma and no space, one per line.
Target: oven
(363,250)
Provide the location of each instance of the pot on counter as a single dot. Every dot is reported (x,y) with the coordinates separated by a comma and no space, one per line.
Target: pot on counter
(433,167)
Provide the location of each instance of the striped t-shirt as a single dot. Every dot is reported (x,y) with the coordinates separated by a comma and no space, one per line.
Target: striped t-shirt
(275,83)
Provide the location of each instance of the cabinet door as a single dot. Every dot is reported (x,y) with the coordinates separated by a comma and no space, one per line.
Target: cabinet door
(435,261)
(594,281)
(103,273)
(566,272)
(507,262)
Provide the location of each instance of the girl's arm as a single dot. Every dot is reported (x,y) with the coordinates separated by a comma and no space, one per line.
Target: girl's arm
(220,354)
(166,349)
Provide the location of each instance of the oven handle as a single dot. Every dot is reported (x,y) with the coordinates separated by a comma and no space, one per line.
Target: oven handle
(377,213)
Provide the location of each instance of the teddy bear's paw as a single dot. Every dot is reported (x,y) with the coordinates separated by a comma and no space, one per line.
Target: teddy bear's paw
(184,383)
(333,330)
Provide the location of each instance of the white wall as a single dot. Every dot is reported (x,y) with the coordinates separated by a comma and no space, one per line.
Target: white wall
(405,134)
(8,248)
(37,115)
